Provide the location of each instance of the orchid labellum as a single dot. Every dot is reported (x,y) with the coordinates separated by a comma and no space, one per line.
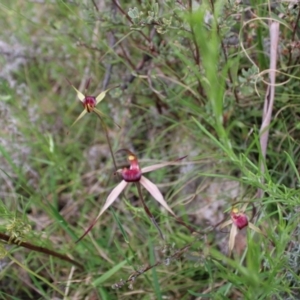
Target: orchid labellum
(134,174)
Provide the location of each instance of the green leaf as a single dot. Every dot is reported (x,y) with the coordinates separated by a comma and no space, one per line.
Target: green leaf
(109,273)
(200,294)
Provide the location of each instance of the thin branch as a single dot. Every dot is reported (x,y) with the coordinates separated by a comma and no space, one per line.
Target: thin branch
(140,65)
(129,19)
(95,5)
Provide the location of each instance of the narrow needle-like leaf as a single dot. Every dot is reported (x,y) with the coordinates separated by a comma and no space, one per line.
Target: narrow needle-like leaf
(156,194)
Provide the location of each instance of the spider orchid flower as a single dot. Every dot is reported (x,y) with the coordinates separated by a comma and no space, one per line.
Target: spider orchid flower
(238,220)
(134,174)
(89,102)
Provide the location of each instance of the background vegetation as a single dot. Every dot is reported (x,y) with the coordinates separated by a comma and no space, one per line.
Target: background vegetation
(191,82)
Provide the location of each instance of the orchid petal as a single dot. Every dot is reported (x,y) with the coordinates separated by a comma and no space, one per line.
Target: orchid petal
(256,229)
(101,96)
(109,201)
(80,116)
(161,165)
(80,96)
(156,194)
(233,233)
(113,196)
(228,222)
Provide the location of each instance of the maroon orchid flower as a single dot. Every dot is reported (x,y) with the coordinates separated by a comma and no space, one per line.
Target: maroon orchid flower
(134,174)
(239,220)
(89,102)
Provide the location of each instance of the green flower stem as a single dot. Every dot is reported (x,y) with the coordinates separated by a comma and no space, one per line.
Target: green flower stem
(108,141)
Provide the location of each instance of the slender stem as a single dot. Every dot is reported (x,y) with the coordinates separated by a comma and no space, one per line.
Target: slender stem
(7,238)
(181,222)
(148,211)
(115,165)
(108,140)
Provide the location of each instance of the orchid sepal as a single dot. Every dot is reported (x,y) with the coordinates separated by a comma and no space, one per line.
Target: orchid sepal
(102,95)
(83,113)
(156,194)
(161,165)
(80,96)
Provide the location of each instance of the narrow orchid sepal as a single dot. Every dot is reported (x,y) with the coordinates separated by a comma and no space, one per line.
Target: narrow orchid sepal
(83,113)
(155,192)
(233,233)
(101,96)
(79,94)
(113,196)
(228,222)
(161,165)
(109,201)
(86,232)
(256,229)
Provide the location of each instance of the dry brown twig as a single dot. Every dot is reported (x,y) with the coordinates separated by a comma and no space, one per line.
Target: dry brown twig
(35,248)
